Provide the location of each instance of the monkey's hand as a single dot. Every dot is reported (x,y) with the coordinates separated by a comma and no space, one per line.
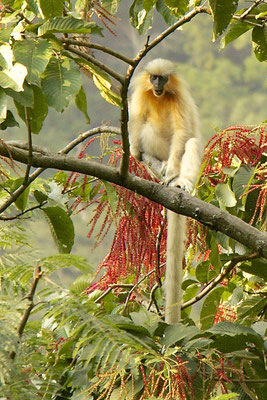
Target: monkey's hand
(182,183)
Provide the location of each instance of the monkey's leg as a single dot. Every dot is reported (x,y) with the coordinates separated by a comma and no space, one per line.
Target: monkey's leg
(190,165)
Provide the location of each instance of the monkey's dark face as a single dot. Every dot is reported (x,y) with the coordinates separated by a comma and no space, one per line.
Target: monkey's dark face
(158,82)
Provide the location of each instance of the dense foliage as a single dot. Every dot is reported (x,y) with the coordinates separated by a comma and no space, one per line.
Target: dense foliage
(104,337)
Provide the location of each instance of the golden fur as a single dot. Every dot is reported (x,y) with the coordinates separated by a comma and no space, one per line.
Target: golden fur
(167,127)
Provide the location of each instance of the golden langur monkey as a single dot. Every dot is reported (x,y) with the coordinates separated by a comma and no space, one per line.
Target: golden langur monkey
(164,124)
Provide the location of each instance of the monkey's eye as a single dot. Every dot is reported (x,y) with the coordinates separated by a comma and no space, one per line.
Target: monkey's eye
(153,77)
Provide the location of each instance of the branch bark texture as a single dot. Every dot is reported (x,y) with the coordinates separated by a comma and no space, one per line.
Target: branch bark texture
(172,198)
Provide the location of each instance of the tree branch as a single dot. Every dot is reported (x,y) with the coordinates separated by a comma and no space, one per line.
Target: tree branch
(211,285)
(99,64)
(84,43)
(174,199)
(27,312)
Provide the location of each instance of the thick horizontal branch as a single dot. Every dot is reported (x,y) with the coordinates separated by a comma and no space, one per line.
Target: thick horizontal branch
(172,198)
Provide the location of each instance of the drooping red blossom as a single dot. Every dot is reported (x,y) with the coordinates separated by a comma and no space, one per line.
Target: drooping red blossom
(140,230)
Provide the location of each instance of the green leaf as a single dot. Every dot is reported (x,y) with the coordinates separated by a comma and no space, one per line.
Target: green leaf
(210,307)
(6,56)
(148,4)
(177,7)
(35,56)
(175,333)
(22,200)
(69,25)
(222,12)
(13,78)
(226,396)
(51,8)
(3,105)
(37,113)
(111,195)
(259,42)
(24,98)
(61,80)
(166,13)
(110,5)
(102,82)
(229,328)
(225,195)
(140,18)
(61,227)
(33,6)
(40,196)
(202,271)
(255,267)
(241,179)
(235,29)
(81,103)
(9,121)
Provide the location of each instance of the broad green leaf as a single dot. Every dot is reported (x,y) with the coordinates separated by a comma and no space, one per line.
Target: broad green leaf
(226,396)
(22,200)
(165,12)
(232,329)
(177,7)
(81,103)
(242,179)
(9,121)
(222,12)
(102,82)
(111,5)
(61,80)
(24,98)
(51,8)
(202,271)
(148,4)
(6,56)
(69,25)
(61,227)
(40,196)
(111,195)
(259,41)
(235,29)
(177,332)
(255,267)
(225,195)
(251,308)
(34,55)
(37,113)
(33,6)
(3,105)
(14,77)
(140,18)
(210,307)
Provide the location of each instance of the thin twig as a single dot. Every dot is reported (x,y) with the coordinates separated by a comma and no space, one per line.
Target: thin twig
(137,284)
(111,287)
(99,64)
(29,135)
(27,312)
(249,9)
(84,43)
(219,278)
(18,216)
(153,300)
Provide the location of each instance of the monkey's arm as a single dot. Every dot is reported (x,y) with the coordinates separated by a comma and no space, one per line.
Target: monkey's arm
(135,127)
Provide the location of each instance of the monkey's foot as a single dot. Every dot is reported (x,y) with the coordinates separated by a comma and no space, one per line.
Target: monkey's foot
(182,183)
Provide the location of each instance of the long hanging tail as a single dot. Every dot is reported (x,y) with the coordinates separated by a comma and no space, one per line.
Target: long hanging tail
(174,267)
